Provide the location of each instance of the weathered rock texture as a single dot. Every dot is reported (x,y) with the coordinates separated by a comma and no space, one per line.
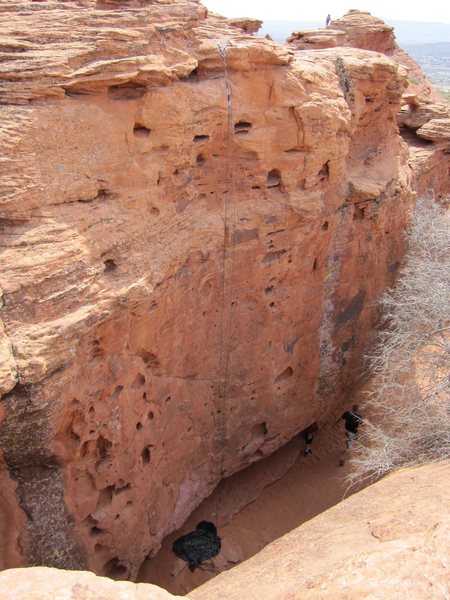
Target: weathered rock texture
(362,30)
(423,110)
(390,540)
(42,583)
(195,226)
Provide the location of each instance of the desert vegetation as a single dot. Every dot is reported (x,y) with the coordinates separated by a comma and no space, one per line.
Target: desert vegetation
(408,405)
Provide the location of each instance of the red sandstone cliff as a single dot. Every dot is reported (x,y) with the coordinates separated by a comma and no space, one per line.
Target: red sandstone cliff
(424,116)
(369,546)
(195,225)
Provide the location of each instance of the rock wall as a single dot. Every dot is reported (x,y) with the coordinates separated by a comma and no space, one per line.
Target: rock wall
(370,545)
(424,115)
(195,225)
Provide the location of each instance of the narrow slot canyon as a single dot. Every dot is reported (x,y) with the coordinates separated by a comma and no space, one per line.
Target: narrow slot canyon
(198,228)
(258,505)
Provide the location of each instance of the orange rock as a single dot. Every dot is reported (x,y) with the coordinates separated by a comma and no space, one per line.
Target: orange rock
(196,225)
(367,546)
(41,583)
(437,130)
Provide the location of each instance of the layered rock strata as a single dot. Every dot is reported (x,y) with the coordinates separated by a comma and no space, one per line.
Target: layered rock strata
(424,113)
(195,225)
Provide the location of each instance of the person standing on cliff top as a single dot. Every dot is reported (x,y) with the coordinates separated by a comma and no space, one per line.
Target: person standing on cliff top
(328,21)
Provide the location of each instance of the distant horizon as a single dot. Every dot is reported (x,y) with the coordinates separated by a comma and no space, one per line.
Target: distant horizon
(406,32)
(433,11)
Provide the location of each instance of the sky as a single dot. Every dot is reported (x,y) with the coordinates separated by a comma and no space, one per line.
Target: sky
(317,10)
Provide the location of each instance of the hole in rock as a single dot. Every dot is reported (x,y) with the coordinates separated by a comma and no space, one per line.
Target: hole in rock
(114,569)
(97,348)
(103,446)
(200,159)
(193,74)
(288,372)
(141,131)
(96,530)
(139,381)
(146,455)
(84,449)
(126,91)
(274,178)
(325,225)
(110,265)
(150,415)
(201,138)
(242,127)
(74,93)
(324,172)
(314,267)
(258,432)
(358,212)
(74,436)
(138,426)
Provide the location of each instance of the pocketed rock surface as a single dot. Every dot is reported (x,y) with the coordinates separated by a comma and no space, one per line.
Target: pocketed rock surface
(195,225)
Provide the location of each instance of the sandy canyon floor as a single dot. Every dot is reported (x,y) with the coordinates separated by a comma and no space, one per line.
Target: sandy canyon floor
(309,486)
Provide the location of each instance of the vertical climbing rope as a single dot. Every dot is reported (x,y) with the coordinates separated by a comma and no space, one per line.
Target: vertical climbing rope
(227,286)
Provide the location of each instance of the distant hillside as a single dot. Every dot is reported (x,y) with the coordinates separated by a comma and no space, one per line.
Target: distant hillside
(421,50)
(435,62)
(406,32)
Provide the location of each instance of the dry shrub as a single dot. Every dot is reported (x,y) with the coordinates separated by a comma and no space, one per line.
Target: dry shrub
(409,401)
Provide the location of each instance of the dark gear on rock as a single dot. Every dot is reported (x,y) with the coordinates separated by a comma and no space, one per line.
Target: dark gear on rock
(199,545)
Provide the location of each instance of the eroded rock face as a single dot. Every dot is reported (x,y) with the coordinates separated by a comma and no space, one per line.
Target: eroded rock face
(195,227)
(393,535)
(360,29)
(436,130)
(421,102)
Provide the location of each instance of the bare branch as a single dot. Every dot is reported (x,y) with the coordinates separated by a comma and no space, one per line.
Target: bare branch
(409,401)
